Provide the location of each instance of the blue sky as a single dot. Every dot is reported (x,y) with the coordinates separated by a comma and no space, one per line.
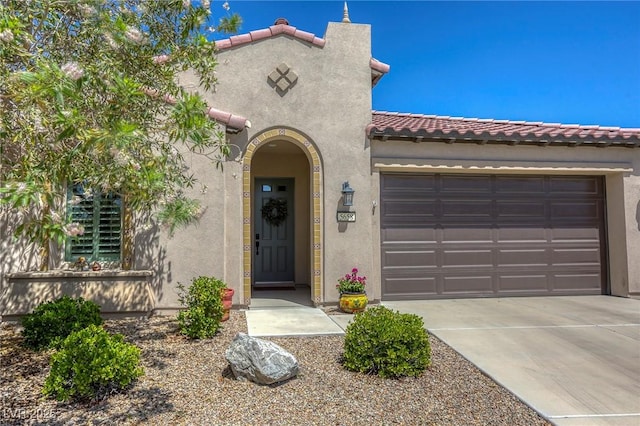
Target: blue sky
(566,62)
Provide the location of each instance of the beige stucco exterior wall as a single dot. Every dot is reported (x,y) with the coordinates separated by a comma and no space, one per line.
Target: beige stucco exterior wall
(205,248)
(331,105)
(619,166)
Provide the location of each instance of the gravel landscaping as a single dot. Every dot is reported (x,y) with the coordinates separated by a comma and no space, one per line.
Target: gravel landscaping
(188,382)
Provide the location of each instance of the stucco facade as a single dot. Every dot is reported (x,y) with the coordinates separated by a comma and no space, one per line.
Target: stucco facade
(320,123)
(313,128)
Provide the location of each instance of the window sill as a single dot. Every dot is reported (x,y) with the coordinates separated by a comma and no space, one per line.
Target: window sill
(62,273)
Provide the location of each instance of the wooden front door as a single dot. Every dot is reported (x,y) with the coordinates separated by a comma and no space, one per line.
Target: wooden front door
(273,242)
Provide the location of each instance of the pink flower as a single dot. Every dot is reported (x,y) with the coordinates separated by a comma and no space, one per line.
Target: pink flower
(6,36)
(351,283)
(74,229)
(134,35)
(72,70)
(161,59)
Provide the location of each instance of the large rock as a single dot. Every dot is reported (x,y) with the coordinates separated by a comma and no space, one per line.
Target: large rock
(260,361)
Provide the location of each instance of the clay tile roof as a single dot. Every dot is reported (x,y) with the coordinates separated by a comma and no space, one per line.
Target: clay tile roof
(385,125)
(378,69)
(281,26)
(234,123)
(379,66)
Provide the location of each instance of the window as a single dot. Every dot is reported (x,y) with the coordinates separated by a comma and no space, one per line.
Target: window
(101,216)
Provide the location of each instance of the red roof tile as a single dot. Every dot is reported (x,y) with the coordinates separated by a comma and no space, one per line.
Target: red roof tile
(233,122)
(379,66)
(272,31)
(452,129)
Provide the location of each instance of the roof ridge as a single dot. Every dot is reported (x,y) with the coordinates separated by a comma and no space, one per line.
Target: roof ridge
(272,31)
(514,122)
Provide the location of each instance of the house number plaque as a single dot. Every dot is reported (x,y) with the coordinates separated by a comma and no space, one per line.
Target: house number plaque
(346,216)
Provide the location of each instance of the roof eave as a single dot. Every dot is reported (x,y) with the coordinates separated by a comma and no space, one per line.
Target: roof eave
(374,133)
(378,70)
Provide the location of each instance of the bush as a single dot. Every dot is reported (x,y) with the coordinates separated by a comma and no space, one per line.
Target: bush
(92,362)
(203,300)
(51,322)
(389,344)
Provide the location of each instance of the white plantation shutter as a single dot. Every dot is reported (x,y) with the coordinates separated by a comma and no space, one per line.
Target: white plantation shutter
(101,216)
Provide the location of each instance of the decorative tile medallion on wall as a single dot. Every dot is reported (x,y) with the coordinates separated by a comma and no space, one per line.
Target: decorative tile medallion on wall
(282,78)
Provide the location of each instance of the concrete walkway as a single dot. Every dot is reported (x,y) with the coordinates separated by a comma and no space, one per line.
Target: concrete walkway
(575,360)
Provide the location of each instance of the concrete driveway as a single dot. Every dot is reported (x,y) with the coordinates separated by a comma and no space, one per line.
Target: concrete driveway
(575,360)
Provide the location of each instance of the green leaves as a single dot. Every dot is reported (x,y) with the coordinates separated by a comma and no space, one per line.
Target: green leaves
(204,310)
(51,322)
(387,343)
(90,362)
(76,80)
(179,212)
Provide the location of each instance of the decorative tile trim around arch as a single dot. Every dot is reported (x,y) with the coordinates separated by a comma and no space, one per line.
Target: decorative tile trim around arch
(316,220)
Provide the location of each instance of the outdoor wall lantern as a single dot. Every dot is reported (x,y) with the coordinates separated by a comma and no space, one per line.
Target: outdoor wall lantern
(347,194)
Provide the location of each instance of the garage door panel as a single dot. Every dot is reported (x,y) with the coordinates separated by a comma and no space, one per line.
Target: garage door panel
(409,287)
(580,282)
(575,210)
(452,209)
(521,235)
(465,183)
(480,283)
(409,183)
(409,259)
(520,185)
(576,256)
(523,257)
(585,235)
(493,235)
(523,283)
(521,210)
(466,235)
(409,234)
(574,185)
(467,258)
(412,211)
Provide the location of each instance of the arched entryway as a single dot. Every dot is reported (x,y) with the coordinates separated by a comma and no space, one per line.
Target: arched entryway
(272,155)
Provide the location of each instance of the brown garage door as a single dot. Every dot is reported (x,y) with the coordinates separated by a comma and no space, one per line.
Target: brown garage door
(481,235)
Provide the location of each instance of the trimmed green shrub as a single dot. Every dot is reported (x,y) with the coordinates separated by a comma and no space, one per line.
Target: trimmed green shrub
(51,322)
(203,302)
(387,343)
(92,362)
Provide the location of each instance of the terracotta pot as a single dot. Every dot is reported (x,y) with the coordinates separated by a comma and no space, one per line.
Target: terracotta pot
(352,303)
(227,296)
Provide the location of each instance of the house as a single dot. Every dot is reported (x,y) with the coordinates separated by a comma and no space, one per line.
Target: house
(441,207)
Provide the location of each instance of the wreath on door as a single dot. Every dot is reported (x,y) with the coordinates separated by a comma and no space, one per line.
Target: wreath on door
(274,212)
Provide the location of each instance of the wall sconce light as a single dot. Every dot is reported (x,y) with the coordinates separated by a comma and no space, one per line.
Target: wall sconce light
(347,194)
